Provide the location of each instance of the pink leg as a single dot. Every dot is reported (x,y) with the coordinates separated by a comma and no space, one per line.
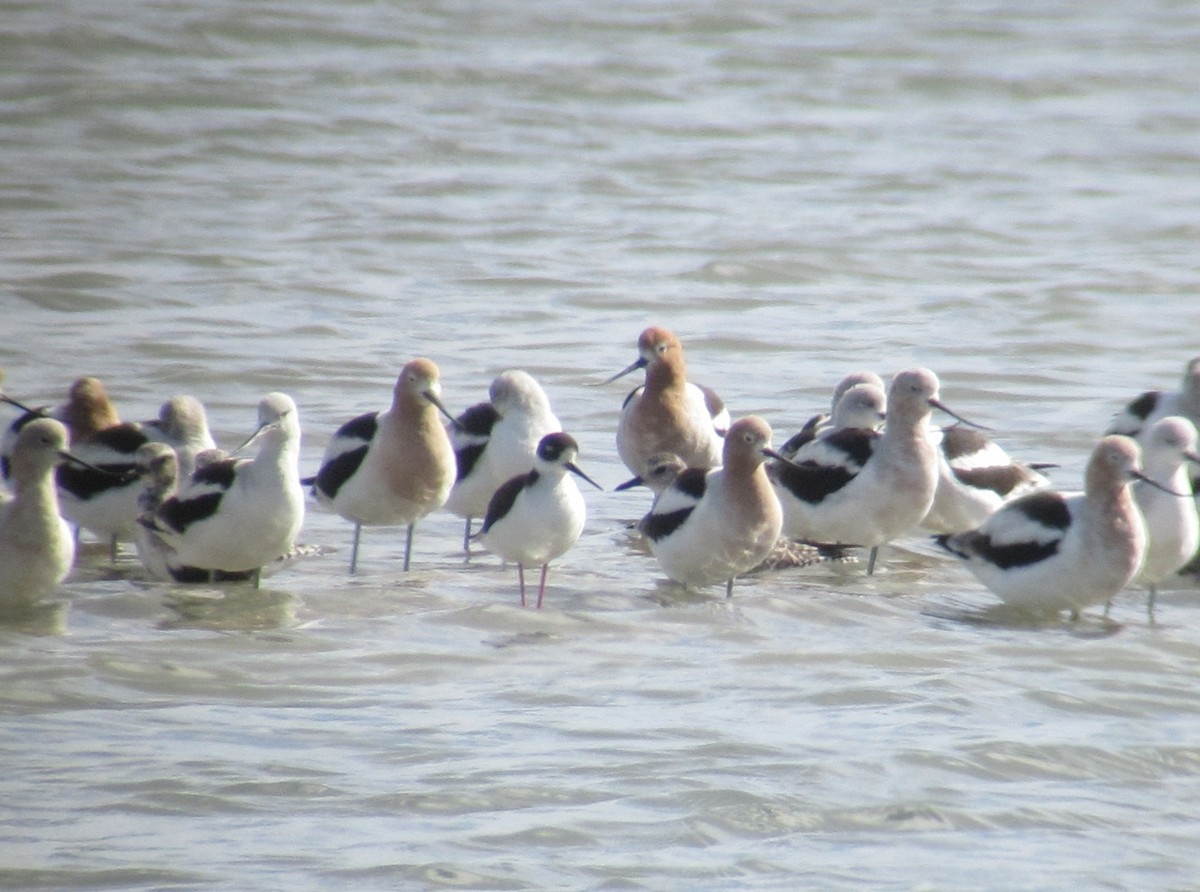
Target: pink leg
(521,578)
(542,585)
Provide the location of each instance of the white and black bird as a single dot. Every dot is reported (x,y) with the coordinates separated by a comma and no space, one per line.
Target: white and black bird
(862,487)
(236,515)
(496,440)
(709,526)
(392,467)
(1048,551)
(534,518)
(104,501)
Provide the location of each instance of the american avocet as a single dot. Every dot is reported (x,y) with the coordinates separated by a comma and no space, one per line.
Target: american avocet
(182,424)
(668,413)
(236,515)
(711,526)
(36,545)
(158,469)
(1152,405)
(678,488)
(495,441)
(102,502)
(534,518)
(1048,552)
(1172,526)
(860,487)
(865,410)
(391,467)
(975,477)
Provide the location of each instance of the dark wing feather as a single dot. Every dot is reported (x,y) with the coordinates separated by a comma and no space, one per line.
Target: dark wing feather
(335,472)
(466,457)
(657,526)
(692,482)
(478,420)
(505,497)
(87,483)
(179,514)
(124,437)
(361,428)
(809,482)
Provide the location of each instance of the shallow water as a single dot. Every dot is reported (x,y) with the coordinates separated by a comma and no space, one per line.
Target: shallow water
(224,199)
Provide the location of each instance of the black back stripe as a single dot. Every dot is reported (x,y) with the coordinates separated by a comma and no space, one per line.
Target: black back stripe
(856,443)
(658,526)
(85,483)
(505,497)
(958,441)
(335,472)
(218,473)
(467,457)
(692,482)
(809,482)
(1046,508)
(124,438)
(1017,554)
(180,514)
(478,420)
(1000,480)
(361,428)
(1144,405)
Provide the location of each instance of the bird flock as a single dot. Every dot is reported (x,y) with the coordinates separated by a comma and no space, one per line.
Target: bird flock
(724,499)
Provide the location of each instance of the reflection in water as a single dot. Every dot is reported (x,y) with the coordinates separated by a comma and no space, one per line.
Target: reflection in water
(229,608)
(43,618)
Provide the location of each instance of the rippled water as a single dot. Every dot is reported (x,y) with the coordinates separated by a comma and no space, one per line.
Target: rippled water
(225,198)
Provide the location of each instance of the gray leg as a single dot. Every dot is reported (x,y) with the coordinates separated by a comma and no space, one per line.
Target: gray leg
(354,549)
(408,545)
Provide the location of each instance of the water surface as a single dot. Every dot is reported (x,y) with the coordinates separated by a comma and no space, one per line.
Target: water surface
(225,199)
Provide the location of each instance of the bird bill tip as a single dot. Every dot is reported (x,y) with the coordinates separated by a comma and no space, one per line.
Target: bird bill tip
(576,470)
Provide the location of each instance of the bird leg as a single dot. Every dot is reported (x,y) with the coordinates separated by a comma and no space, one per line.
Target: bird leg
(354,549)
(408,545)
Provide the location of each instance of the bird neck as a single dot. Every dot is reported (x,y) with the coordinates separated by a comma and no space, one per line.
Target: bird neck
(666,376)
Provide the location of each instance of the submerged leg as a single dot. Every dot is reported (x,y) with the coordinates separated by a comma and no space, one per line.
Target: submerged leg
(521,581)
(257,577)
(1150,602)
(467,539)
(729,587)
(542,585)
(354,549)
(871,560)
(408,545)
(112,548)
